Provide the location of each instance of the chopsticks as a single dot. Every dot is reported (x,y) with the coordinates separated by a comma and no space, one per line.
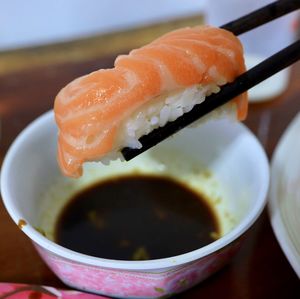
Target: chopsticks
(252,77)
(262,16)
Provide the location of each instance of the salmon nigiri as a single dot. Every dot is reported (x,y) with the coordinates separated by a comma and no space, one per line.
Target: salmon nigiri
(109,109)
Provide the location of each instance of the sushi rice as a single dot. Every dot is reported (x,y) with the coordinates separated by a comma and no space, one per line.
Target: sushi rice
(162,110)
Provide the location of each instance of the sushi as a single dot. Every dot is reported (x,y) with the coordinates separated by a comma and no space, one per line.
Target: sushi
(100,113)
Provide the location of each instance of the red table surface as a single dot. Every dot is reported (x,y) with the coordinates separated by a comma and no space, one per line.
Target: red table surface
(260,269)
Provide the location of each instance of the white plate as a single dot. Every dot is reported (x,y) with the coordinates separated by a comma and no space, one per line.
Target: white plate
(284,204)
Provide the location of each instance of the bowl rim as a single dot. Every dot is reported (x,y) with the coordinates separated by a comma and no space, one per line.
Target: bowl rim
(74,256)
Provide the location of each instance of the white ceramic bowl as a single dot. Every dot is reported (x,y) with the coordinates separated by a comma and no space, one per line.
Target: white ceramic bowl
(284,204)
(221,158)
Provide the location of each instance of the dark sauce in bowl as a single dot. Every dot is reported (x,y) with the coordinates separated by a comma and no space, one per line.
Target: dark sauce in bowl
(136,217)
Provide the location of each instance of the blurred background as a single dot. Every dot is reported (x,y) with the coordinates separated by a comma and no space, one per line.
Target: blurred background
(35,22)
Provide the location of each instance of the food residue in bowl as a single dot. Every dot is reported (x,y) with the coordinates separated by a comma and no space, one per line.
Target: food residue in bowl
(21,223)
(183,171)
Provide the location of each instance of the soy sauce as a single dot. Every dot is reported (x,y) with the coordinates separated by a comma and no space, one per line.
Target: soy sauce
(136,217)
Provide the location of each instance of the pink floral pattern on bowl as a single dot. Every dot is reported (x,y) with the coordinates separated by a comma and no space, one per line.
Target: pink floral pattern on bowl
(24,291)
(121,283)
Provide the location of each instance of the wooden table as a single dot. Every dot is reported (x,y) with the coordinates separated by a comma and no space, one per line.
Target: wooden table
(260,270)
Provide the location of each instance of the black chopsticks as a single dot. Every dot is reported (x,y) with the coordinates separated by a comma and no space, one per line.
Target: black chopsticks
(252,77)
(262,16)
